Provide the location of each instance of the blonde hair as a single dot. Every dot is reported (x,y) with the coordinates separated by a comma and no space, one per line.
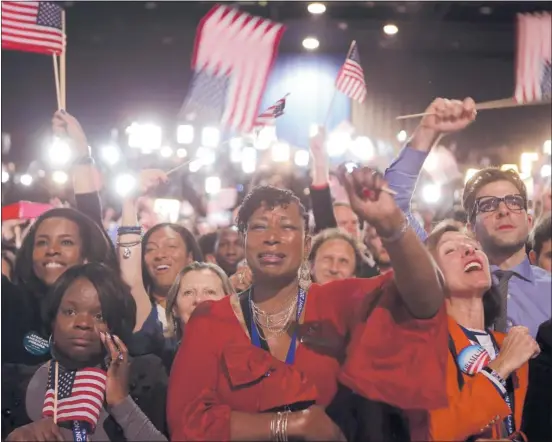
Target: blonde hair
(173,328)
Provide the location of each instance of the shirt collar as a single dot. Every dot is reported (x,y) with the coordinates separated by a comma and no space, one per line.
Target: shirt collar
(523,270)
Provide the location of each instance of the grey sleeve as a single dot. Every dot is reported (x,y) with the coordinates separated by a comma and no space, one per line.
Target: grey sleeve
(135,424)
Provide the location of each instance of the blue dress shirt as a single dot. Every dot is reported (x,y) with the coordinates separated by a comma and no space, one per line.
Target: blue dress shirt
(529,290)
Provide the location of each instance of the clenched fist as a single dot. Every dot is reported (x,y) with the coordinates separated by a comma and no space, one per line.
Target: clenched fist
(518,347)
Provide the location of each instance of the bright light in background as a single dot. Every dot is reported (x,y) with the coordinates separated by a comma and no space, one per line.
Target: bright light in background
(125,184)
(280,152)
(431,193)
(316,8)
(362,148)
(350,166)
(26,179)
(390,29)
(110,154)
(205,155)
(526,162)
(59,152)
(311,43)
(59,177)
(212,185)
(546,171)
(195,165)
(236,143)
(249,160)
(5,176)
(514,167)
(469,174)
(167,209)
(265,137)
(235,154)
(181,153)
(185,134)
(210,137)
(338,142)
(147,137)
(401,136)
(302,158)
(313,130)
(166,152)
(547,147)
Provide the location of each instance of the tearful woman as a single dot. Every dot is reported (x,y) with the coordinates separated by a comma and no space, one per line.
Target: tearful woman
(266,363)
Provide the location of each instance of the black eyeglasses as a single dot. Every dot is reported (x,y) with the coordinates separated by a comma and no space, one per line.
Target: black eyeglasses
(487,204)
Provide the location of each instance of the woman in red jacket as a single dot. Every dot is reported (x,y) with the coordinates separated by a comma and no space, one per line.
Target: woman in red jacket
(263,365)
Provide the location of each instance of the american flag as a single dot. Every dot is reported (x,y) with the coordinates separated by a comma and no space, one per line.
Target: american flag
(32,27)
(350,79)
(534,53)
(80,395)
(241,48)
(273,112)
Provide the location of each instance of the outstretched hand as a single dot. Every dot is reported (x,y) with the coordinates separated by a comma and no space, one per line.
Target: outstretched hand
(65,126)
(364,189)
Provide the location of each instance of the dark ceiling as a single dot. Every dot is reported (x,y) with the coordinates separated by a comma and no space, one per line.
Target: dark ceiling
(475,27)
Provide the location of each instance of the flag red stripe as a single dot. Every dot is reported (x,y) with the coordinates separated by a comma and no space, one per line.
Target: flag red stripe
(230,42)
(533,50)
(20,30)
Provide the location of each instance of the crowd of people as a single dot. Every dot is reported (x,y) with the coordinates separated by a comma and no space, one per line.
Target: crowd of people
(349,322)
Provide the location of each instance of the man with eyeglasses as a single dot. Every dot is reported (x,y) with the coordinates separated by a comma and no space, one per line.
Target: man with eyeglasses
(496,204)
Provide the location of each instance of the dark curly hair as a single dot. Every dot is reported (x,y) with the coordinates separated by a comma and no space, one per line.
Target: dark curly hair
(487,176)
(188,237)
(271,197)
(491,298)
(118,306)
(96,247)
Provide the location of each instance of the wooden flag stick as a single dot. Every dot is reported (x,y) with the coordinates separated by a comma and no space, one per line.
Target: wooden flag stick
(486,105)
(174,169)
(56,78)
(329,112)
(62,64)
(56,390)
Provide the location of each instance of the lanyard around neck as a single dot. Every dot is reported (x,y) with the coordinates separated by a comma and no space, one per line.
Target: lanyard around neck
(254,332)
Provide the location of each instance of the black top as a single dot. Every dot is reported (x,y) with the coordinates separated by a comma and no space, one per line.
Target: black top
(21,310)
(537,413)
(324,218)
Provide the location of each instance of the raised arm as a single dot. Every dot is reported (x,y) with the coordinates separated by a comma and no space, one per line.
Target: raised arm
(417,277)
(447,116)
(320,193)
(130,247)
(85,176)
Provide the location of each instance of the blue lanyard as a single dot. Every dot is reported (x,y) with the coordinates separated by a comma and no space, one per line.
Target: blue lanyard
(79,432)
(508,398)
(256,339)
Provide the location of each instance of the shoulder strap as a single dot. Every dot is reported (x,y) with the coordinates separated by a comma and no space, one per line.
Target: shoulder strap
(452,349)
(246,311)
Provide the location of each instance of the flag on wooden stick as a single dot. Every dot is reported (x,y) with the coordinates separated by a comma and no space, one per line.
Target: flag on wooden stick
(234,51)
(32,27)
(350,79)
(533,60)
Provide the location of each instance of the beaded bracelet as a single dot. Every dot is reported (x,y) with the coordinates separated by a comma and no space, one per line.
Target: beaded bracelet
(398,234)
(129,230)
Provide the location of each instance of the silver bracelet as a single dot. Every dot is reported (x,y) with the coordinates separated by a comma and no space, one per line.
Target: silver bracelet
(398,234)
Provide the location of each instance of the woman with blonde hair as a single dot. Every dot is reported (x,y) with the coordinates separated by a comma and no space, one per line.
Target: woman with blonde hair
(197,282)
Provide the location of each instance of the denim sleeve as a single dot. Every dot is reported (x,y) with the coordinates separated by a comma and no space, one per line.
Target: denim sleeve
(402,176)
